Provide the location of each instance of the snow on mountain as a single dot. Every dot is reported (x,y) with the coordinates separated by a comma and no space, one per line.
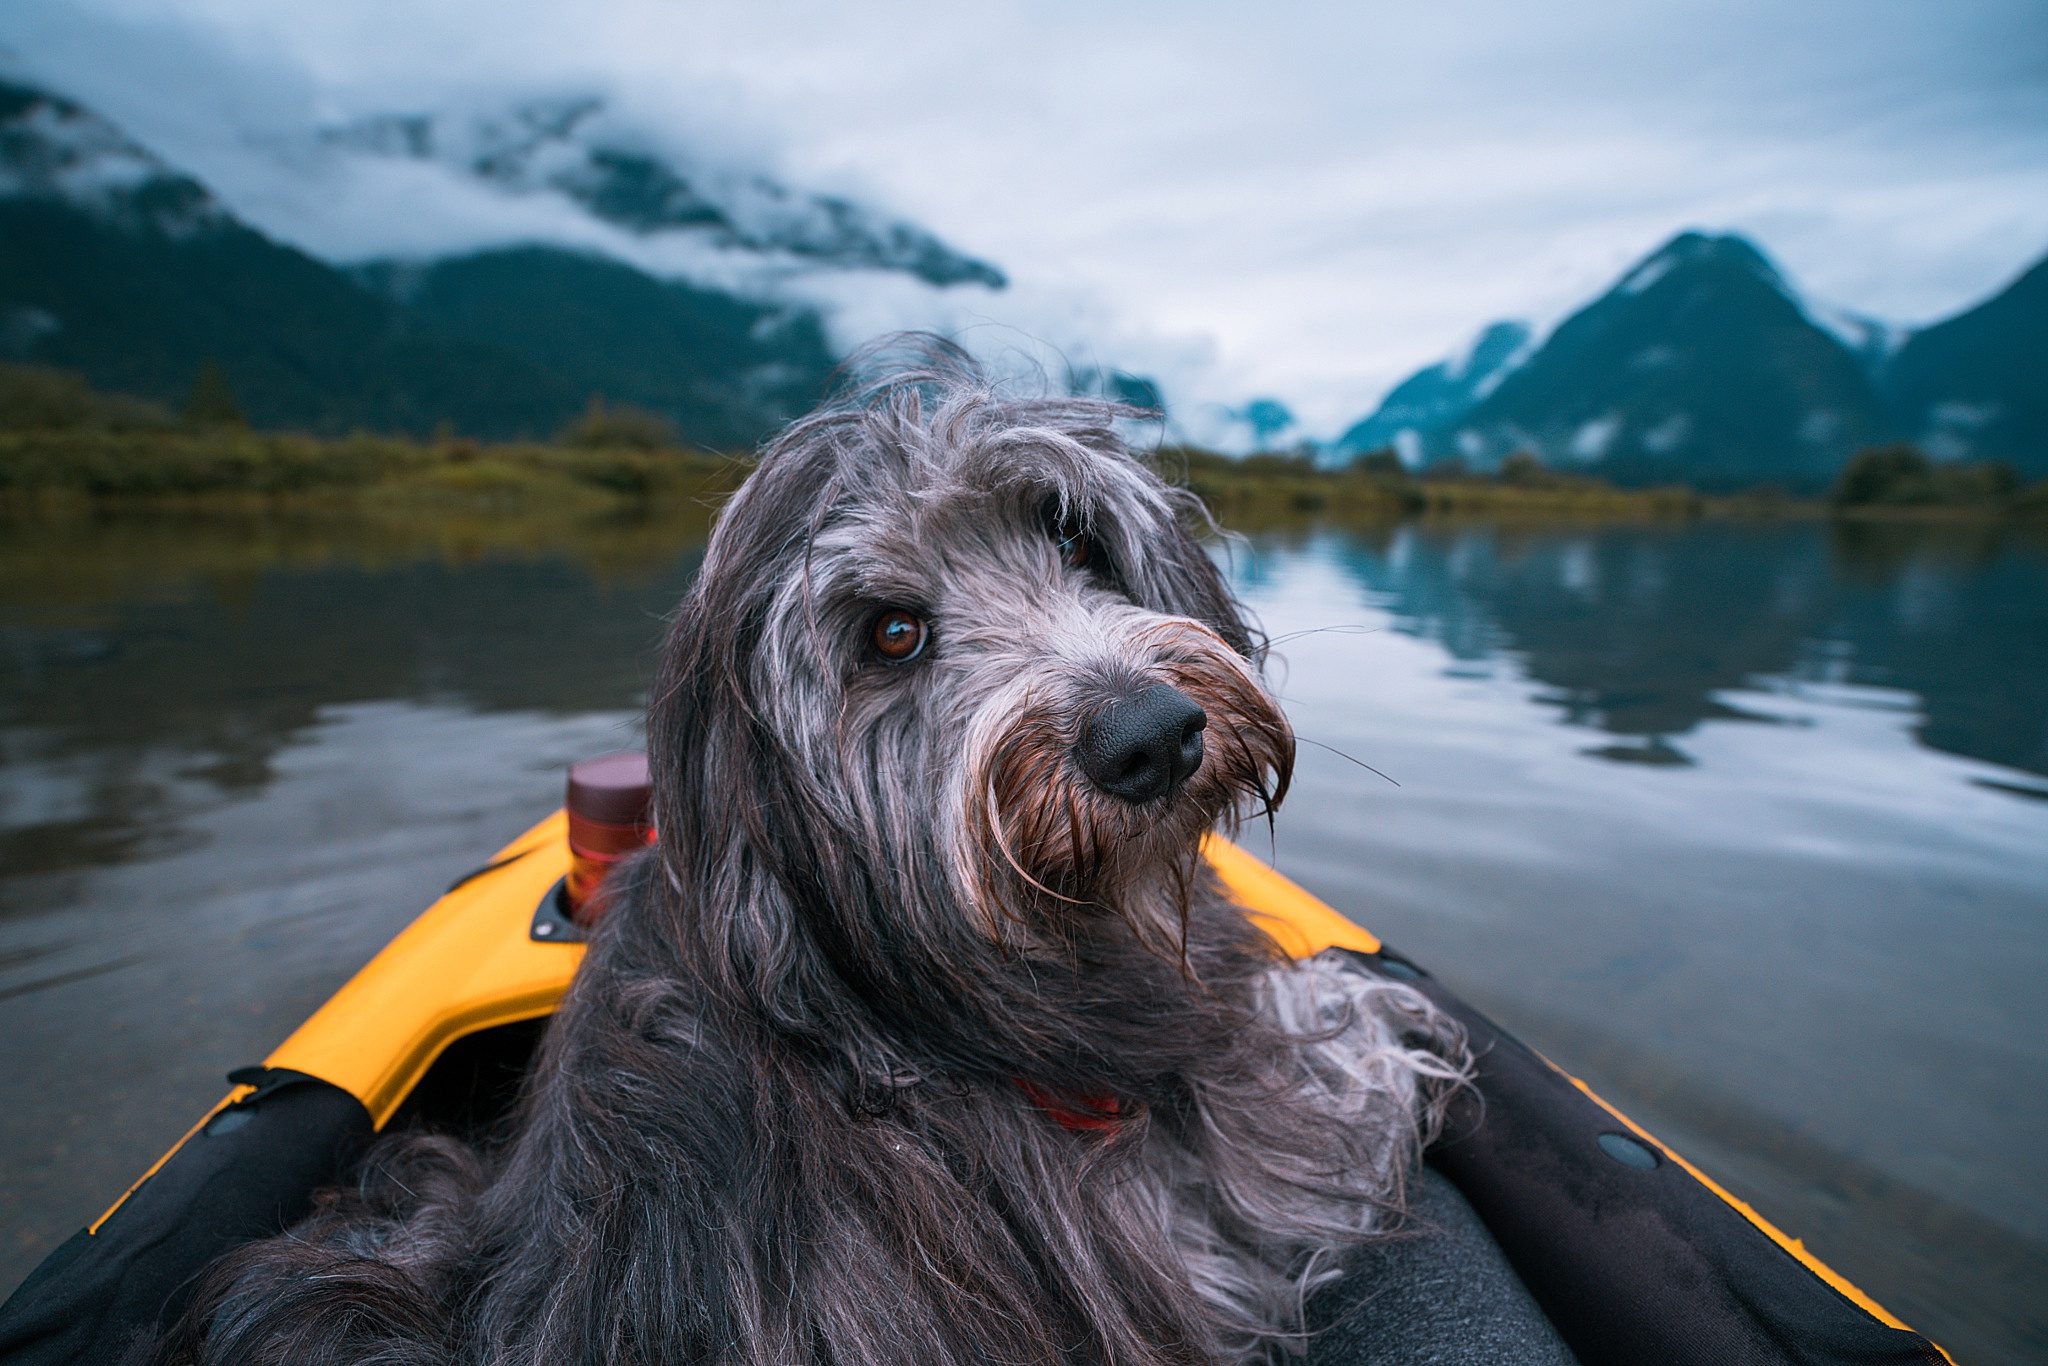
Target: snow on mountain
(575,148)
(1701,364)
(116,264)
(1438,395)
(1873,340)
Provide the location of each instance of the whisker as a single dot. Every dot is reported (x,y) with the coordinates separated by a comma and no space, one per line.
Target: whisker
(1272,823)
(1303,739)
(996,829)
(1354,629)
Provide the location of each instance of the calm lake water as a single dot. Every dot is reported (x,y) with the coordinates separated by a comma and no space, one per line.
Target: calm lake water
(1745,824)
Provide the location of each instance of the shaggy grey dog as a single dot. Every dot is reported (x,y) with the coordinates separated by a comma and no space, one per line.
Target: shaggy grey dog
(926,1035)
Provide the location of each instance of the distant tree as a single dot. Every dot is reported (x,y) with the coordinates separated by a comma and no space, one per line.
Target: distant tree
(213,402)
(1448,469)
(1901,475)
(1180,463)
(1137,391)
(620,425)
(1118,386)
(1267,417)
(36,399)
(1384,463)
(1523,469)
(1898,473)
(1297,463)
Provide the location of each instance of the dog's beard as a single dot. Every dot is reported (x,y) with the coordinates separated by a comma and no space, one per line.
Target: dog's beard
(1043,852)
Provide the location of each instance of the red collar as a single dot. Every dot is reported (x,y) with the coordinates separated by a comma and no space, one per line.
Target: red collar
(1096,1113)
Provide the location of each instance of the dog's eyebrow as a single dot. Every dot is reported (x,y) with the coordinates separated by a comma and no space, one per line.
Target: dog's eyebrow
(856,571)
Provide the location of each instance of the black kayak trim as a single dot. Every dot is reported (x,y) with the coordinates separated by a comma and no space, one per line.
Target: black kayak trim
(249,1172)
(1636,1261)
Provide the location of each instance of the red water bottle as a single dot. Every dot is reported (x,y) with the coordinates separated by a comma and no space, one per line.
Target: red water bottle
(609,818)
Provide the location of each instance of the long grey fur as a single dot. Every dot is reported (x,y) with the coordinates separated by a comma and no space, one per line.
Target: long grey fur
(907,1044)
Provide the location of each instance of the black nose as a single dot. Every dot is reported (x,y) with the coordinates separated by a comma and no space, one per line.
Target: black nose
(1144,745)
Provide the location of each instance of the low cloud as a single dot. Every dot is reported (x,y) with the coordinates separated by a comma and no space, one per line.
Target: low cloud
(1305,203)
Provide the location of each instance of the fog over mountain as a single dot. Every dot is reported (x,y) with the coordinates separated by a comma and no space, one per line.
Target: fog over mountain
(1299,203)
(1702,364)
(56,150)
(571,148)
(1437,395)
(116,263)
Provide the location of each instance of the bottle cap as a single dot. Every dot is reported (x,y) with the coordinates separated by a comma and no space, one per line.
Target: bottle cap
(611,790)
(608,819)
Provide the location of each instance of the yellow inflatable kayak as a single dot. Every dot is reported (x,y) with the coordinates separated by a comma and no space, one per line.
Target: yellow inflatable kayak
(1637,1258)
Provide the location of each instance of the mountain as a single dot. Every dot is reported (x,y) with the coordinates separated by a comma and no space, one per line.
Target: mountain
(119,265)
(113,263)
(724,369)
(1433,398)
(570,147)
(1976,386)
(1118,386)
(54,150)
(1700,365)
(1873,340)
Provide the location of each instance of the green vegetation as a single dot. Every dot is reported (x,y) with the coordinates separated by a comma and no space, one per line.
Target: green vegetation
(1274,486)
(619,426)
(54,465)
(1888,481)
(40,467)
(34,398)
(213,402)
(61,442)
(1900,477)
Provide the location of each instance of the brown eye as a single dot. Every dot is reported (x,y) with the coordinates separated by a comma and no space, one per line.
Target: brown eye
(899,635)
(1077,548)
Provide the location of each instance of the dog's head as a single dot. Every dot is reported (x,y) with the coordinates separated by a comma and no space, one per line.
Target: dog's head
(955,665)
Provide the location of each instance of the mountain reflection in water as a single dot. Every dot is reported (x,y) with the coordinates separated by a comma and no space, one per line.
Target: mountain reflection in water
(1639,632)
(1738,821)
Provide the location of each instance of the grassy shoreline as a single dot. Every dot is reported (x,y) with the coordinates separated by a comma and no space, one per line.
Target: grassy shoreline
(238,467)
(234,469)
(1267,489)
(66,446)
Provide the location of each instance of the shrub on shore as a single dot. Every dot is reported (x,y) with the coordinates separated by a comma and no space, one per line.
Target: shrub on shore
(60,439)
(1283,484)
(35,398)
(619,426)
(1901,476)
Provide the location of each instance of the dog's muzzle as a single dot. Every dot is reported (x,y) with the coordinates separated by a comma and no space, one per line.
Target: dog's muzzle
(1143,745)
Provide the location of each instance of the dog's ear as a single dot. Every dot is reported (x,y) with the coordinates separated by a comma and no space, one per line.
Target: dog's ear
(700,725)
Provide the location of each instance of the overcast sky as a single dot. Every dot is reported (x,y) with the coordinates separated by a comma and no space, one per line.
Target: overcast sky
(1306,201)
